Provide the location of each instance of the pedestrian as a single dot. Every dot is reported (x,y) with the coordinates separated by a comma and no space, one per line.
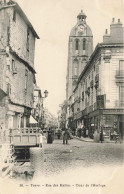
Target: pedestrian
(41,139)
(101,136)
(79,132)
(50,136)
(118,138)
(66,136)
(59,133)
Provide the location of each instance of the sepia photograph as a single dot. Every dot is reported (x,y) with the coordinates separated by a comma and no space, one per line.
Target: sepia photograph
(61,96)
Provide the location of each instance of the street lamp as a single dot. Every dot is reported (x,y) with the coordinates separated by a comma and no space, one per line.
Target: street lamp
(45,93)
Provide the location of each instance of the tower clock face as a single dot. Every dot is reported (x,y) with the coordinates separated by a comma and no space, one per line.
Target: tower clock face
(81,28)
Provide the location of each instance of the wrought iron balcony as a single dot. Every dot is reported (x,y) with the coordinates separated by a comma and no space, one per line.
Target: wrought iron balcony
(119,76)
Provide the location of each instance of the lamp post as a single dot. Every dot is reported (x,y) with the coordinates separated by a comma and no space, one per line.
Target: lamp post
(45,94)
(43,97)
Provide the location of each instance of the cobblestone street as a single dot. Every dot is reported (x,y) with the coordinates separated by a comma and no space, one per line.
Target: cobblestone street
(79,167)
(59,157)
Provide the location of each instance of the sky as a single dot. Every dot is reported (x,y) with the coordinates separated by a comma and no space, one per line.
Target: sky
(53,21)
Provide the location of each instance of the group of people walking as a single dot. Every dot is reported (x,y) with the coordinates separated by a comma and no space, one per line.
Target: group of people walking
(66,135)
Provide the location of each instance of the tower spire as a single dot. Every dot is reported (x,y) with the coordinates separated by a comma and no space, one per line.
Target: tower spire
(81,16)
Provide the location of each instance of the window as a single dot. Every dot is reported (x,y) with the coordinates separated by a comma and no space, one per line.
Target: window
(26,78)
(84,44)
(14,69)
(8,88)
(8,35)
(75,67)
(121,67)
(76,44)
(28,33)
(13,64)
(97,69)
(14,16)
(86,84)
(121,95)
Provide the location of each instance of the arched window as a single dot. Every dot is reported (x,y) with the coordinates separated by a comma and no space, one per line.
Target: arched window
(84,44)
(75,67)
(76,44)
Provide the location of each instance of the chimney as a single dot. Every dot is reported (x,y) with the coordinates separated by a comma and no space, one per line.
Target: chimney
(106,31)
(106,36)
(113,20)
(118,20)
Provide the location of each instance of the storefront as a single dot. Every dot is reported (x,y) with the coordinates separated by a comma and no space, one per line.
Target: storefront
(109,120)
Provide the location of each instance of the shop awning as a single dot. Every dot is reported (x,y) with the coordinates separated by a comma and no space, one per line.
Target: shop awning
(32,120)
(2,94)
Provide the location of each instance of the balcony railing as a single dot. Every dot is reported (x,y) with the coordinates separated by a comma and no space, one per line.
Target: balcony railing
(119,76)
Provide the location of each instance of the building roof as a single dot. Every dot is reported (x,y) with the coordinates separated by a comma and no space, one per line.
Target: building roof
(19,10)
(81,14)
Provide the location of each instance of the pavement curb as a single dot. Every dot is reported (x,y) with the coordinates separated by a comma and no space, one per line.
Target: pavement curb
(83,139)
(92,141)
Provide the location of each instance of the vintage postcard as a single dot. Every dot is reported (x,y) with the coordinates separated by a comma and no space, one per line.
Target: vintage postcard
(61,96)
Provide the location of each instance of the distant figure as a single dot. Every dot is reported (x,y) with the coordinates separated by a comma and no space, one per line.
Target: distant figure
(41,139)
(118,138)
(101,136)
(79,132)
(66,136)
(50,136)
(59,133)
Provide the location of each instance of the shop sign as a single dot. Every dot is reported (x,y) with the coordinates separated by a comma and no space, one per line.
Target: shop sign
(15,108)
(113,111)
(100,101)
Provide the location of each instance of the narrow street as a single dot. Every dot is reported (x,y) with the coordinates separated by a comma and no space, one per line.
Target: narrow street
(60,158)
(79,167)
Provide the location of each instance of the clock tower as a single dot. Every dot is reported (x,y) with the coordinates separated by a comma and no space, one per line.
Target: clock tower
(80,48)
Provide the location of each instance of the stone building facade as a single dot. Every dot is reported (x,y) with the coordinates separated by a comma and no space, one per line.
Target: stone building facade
(97,101)
(38,109)
(17,46)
